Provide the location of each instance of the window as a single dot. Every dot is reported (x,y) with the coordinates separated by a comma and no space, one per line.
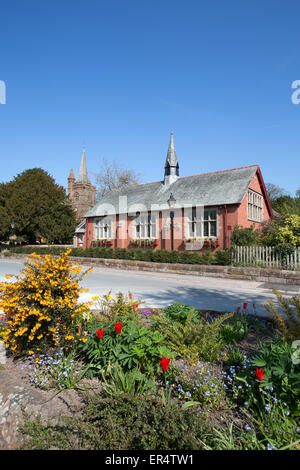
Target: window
(255,206)
(203,224)
(103,228)
(145,226)
(210,224)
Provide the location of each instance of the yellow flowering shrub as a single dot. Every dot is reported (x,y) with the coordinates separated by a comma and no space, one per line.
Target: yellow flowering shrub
(41,307)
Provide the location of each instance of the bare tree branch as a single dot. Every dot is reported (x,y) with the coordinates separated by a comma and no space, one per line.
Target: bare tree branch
(113,176)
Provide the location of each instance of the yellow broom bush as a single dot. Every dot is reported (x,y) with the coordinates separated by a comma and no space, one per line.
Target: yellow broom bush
(41,307)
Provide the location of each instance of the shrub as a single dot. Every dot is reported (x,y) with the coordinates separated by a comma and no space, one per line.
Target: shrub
(234,331)
(245,236)
(288,321)
(119,422)
(41,306)
(179,312)
(223,257)
(193,340)
(156,256)
(120,306)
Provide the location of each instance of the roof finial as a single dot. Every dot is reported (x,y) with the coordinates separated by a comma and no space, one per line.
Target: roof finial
(171,165)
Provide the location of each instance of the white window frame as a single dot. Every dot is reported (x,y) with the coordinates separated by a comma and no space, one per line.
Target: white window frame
(145,226)
(196,225)
(99,228)
(255,207)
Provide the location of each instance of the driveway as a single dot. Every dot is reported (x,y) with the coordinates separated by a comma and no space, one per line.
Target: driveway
(160,290)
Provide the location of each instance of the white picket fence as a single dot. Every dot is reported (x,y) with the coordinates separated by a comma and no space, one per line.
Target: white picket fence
(265,256)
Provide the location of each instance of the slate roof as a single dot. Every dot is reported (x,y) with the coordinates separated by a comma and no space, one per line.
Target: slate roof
(81,227)
(208,189)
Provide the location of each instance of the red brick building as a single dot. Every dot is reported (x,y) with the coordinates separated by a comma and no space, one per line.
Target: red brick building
(180,213)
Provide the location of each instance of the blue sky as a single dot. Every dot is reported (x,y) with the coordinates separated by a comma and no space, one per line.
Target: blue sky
(118,76)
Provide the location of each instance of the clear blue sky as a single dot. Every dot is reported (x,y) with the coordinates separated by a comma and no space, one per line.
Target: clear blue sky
(118,76)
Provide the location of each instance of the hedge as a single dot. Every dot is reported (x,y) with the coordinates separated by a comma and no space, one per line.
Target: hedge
(221,257)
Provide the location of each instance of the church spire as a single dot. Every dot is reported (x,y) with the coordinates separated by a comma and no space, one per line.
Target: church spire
(83,173)
(171,165)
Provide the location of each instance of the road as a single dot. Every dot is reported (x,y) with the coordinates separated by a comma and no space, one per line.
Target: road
(160,290)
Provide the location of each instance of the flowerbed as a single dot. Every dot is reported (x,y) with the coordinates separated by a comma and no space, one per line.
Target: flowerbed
(174,378)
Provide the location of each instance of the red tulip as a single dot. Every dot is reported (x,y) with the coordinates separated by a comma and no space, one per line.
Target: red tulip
(130,295)
(239,308)
(245,305)
(165,363)
(259,374)
(135,307)
(100,333)
(118,327)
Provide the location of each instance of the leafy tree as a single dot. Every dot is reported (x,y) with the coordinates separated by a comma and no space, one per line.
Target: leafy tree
(286,205)
(38,206)
(282,230)
(113,176)
(245,236)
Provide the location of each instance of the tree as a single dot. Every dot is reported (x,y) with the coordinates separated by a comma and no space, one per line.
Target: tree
(274,191)
(113,176)
(282,230)
(38,206)
(286,205)
(247,236)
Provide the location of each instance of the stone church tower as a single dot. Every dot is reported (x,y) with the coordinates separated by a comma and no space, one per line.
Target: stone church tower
(81,193)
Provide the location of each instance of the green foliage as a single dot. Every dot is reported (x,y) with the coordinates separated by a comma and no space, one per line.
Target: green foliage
(281,378)
(179,312)
(155,256)
(223,257)
(234,330)
(282,231)
(290,231)
(288,321)
(286,205)
(192,340)
(111,307)
(235,357)
(134,347)
(38,206)
(248,236)
(272,430)
(132,382)
(6,253)
(281,374)
(118,422)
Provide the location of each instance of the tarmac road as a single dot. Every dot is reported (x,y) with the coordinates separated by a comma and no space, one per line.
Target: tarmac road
(162,289)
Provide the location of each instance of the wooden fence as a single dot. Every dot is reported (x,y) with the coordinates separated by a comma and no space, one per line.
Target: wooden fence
(266,256)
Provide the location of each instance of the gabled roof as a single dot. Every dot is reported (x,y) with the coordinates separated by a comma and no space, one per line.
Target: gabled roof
(81,227)
(207,189)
